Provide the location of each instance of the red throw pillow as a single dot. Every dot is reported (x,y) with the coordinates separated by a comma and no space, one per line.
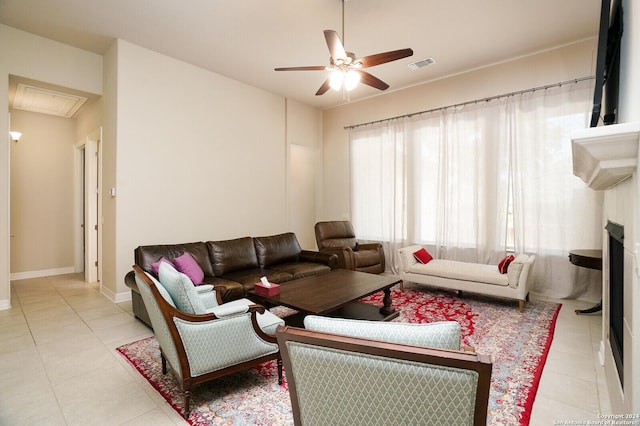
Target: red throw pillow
(422,256)
(504,264)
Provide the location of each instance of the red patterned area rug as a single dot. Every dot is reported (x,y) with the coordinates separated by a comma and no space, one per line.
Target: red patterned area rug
(518,343)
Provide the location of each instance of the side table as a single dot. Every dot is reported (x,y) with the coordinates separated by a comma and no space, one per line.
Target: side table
(591,259)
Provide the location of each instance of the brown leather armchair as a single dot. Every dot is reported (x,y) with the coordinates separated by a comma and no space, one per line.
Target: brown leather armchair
(338,237)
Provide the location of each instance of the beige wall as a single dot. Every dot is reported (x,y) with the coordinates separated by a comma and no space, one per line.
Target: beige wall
(88,119)
(42,193)
(569,62)
(192,155)
(109,132)
(44,60)
(304,140)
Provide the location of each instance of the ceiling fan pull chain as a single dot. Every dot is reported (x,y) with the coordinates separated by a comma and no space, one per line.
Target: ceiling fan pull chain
(343,39)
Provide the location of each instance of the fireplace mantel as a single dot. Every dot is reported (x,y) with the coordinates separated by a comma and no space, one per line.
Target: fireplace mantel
(605,156)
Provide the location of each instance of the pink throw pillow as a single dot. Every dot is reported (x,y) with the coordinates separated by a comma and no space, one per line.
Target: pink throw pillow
(156,265)
(188,266)
(504,264)
(423,256)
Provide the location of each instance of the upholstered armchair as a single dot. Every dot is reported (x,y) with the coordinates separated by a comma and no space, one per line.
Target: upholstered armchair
(350,372)
(338,237)
(210,341)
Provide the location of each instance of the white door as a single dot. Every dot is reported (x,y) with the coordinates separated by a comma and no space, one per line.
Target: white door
(90,205)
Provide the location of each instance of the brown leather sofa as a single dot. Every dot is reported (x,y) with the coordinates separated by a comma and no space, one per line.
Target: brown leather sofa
(338,237)
(234,266)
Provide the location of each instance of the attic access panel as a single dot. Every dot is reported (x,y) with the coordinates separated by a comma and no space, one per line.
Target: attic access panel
(45,101)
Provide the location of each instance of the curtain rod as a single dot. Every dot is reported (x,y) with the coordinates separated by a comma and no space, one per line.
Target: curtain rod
(490,98)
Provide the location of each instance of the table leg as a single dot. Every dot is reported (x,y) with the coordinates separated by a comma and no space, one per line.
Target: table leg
(387,309)
(596,308)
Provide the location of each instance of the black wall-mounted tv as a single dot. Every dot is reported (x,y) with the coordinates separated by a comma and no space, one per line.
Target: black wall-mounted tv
(605,95)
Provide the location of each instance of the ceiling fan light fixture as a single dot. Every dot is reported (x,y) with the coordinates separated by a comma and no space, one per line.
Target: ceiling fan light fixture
(335,79)
(351,80)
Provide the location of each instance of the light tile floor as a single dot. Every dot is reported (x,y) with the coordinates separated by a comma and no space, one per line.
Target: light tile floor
(58,364)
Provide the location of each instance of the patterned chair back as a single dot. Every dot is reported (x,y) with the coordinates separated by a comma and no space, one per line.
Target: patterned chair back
(342,380)
(160,328)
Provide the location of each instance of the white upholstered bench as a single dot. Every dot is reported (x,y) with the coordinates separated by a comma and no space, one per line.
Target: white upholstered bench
(471,277)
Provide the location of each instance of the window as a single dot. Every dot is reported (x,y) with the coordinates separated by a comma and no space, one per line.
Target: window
(475,182)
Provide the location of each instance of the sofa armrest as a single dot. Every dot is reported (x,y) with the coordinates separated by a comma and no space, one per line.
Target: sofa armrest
(130,281)
(326,258)
(374,247)
(368,246)
(344,257)
(406,259)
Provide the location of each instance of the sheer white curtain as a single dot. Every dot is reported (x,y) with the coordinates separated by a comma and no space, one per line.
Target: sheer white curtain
(474,182)
(379,192)
(472,174)
(554,211)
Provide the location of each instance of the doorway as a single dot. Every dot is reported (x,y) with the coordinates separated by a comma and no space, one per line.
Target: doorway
(48,191)
(88,207)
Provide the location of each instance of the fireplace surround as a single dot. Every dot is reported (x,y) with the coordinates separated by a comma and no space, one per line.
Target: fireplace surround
(606,158)
(616,295)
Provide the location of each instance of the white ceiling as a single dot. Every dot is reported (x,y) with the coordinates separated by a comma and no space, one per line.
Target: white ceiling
(247,39)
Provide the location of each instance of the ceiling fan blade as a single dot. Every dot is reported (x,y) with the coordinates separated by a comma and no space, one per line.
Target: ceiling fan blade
(334,44)
(372,81)
(310,68)
(382,58)
(323,89)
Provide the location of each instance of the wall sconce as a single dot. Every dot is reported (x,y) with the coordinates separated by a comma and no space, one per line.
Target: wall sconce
(15,136)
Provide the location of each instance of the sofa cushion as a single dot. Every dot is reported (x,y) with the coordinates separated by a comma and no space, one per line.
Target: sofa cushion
(145,256)
(464,271)
(301,269)
(277,249)
(248,277)
(232,255)
(186,264)
(182,291)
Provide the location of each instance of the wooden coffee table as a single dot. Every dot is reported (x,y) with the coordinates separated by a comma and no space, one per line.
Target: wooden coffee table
(335,294)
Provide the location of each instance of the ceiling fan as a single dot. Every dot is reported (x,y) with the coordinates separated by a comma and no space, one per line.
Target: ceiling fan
(346,69)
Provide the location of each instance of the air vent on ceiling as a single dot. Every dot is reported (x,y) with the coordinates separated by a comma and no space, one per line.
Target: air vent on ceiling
(37,99)
(421,63)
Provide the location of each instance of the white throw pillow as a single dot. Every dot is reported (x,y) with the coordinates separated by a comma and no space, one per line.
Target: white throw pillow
(521,258)
(182,291)
(163,291)
(513,273)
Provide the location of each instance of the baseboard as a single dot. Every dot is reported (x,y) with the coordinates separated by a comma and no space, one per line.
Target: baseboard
(115,297)
(5,304)
(42,273)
